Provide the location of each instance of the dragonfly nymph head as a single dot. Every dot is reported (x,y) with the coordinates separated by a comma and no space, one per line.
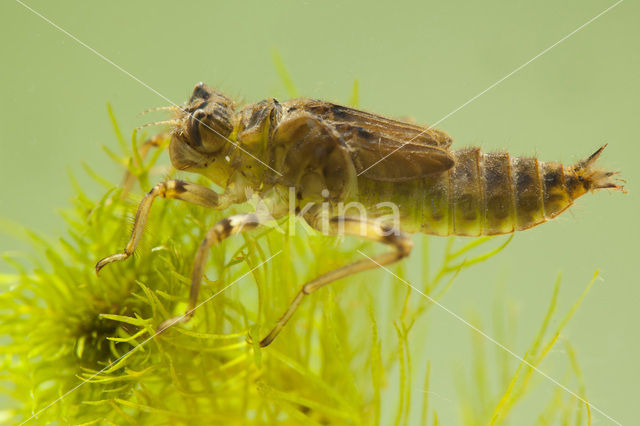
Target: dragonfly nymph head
(203,130)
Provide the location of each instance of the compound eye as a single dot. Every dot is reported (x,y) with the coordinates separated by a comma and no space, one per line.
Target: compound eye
(201,91)
(199,115)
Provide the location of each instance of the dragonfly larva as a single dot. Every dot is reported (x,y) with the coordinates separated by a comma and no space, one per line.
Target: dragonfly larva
(310,157)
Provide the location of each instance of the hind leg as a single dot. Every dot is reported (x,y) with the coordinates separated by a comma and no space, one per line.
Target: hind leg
(372,230)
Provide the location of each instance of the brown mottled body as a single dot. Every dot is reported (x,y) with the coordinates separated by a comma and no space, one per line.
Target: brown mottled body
(359,156)
(484,194)
(334,154)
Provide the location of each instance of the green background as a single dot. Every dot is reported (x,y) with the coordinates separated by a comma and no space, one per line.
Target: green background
(418,59)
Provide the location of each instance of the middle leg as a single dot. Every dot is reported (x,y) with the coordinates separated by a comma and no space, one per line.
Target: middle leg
(221,230)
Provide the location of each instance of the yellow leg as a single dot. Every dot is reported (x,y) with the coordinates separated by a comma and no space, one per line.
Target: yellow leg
(221,230)
(180,190)
(354,226)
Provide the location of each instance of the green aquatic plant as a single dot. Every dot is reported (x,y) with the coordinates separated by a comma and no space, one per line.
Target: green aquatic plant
(82,349)
(483,402)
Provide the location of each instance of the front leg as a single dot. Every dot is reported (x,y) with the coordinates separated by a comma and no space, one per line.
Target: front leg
(177,189)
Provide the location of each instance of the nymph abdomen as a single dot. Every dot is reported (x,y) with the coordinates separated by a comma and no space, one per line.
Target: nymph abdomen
(495,193)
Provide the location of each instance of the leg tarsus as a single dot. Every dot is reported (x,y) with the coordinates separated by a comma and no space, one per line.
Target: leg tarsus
(283,319)
(113,258)
(171,322)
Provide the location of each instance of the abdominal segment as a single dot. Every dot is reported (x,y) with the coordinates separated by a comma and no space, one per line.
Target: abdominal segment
(494,193)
